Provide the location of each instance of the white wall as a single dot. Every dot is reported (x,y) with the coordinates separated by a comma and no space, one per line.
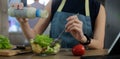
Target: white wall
(41,1)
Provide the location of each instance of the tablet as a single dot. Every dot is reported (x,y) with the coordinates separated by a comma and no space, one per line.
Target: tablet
(115,47)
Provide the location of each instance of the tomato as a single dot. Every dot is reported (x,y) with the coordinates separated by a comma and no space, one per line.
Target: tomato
(78,50)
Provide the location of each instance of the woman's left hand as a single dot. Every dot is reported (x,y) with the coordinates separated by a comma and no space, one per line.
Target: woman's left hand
(74,26)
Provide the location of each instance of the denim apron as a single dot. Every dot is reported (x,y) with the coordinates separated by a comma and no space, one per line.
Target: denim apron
(59,21)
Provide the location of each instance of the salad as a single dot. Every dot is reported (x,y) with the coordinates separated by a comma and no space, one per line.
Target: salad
(41,44)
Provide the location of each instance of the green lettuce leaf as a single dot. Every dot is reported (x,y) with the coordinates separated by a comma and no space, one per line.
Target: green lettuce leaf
(4,42)
(43,40)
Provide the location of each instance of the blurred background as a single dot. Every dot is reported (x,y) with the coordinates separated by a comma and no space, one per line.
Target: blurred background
(10,27)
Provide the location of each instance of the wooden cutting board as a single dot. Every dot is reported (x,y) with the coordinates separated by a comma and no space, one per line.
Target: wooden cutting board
(13,52)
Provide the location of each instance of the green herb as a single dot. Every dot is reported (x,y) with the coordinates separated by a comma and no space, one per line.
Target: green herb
(4,42)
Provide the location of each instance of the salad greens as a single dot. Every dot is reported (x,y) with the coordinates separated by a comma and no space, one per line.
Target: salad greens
(52,50)
(4,42)
(44,42)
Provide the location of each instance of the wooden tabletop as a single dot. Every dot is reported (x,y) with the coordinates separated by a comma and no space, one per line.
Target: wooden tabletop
(63,54)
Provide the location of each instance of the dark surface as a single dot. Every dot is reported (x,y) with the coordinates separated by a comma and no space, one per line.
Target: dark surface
(116,49)
(102,57)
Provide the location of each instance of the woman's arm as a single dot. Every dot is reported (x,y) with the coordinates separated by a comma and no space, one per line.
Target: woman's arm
(39,27)
(98,39)
(43,23)
(74,26)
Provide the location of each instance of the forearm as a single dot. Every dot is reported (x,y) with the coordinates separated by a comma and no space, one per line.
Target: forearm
(99,32)
(28,32)
(96,44)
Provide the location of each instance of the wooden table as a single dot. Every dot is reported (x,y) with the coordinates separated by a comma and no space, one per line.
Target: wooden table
(63,54)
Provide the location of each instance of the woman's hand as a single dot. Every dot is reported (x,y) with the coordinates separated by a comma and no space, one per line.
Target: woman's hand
(19,6)
(74,26)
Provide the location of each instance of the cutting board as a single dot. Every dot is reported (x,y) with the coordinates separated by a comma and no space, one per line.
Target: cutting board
(9,52)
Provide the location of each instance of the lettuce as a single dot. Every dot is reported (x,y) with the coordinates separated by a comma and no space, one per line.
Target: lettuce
(43,40)
(4,42)
(52,50)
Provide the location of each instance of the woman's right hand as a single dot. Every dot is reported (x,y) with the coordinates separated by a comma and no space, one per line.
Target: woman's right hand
(19,6)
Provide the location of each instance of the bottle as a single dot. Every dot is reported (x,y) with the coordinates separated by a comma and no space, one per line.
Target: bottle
(27,12)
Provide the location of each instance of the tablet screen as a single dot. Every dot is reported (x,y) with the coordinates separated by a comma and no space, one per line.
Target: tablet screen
(115,47)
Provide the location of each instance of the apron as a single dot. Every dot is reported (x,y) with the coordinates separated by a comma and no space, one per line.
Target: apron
(59,21)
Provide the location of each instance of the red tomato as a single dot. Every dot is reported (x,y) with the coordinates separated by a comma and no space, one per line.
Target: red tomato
(78,50)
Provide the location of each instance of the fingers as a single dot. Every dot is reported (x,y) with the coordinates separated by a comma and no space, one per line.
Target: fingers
(73,24)
(17,5)
(20,6)
(74,17)
(22,20)
(29,6)
(14,5)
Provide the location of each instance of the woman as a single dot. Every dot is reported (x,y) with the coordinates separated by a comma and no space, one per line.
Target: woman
(83,21)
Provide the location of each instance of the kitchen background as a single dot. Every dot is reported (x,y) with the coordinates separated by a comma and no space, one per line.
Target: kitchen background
(16,36)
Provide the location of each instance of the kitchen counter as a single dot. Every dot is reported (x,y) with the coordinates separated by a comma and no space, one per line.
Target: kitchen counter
(63,54)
